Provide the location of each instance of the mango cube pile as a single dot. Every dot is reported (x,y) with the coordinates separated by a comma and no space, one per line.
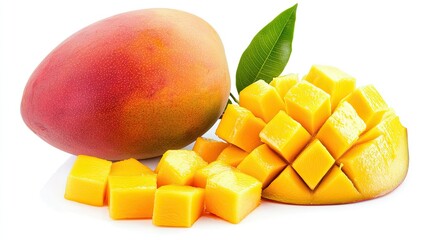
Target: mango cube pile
(181,188)
(318,140)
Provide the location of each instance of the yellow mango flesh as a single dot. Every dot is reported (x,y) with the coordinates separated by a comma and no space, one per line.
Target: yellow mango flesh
(389,121)
(285,135)
(284,83)
(232,155)
(240,127)
(87,180)
(333,81)
(288,187)
(232,195)
(177,206)
(201,175)
(262,100)
(208,149)
(178,167)
(263,164)
(341,130)
(368,104)
(132,197)
(308,105)
(129,167)
(336,188)
(378,166)
(313,163)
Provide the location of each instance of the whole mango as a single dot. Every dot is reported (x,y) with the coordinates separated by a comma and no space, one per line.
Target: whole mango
(131,85)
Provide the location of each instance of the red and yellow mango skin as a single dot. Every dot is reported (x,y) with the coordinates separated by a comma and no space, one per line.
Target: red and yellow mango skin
(132,85)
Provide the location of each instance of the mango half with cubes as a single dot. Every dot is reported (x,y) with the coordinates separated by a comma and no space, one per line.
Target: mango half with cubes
(320,140)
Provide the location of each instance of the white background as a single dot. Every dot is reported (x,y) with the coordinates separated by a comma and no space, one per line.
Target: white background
(380,42)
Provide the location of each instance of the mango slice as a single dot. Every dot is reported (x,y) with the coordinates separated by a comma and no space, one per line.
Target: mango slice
(309,105)
(263,164)
(333,81)
(178,167)
(285,135)
(209,149)
(284,83)
(232,195)
(132,197)
(262,100)
(177,206)
(232,155)
(240,127)
(87,180)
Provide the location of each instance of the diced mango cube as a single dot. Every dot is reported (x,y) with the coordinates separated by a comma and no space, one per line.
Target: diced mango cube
(369,105)
(336,188)
(209,149)
(129,167)
(232,195)
(263,164)
(262,100)
(87,180)
(288,187)
(309,105)
(313,163)
(232,155)
(178,167)
(240,127)
(284,83)
(341,130)
(201,175)
(285,135)
(332,80)
(177,206)
(132,197)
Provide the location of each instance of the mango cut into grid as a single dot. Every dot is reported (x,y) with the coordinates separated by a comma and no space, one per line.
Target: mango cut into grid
(340,144)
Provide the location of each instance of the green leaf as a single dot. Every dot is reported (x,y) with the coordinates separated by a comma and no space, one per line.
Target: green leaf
(268,53)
